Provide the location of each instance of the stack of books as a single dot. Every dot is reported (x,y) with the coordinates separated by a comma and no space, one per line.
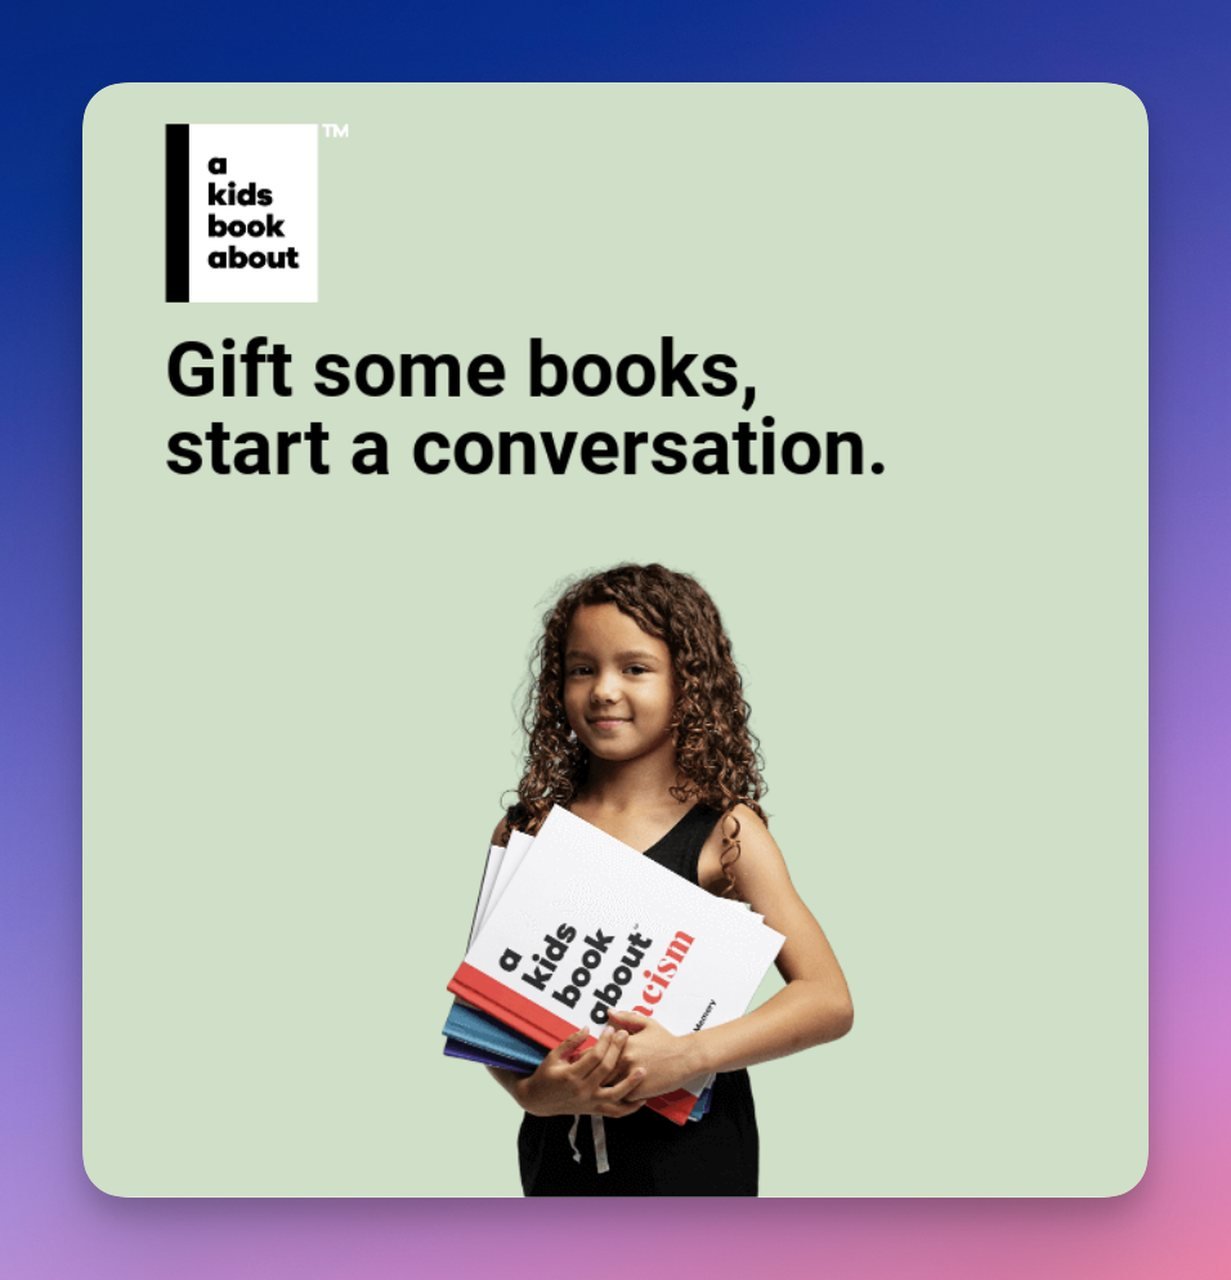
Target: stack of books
(571,925)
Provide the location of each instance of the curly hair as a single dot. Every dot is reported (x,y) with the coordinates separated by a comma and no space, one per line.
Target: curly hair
(717,756)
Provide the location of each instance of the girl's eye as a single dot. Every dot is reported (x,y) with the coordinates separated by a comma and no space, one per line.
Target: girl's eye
(579,671)
(636,670)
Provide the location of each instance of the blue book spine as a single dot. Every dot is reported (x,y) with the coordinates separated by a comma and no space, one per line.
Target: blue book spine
(456,1049)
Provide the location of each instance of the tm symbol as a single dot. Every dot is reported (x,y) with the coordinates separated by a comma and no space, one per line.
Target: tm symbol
(336,130)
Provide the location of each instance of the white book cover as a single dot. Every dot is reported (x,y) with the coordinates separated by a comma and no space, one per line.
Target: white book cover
(491,873)
(518,846)
(501,862)
(588,925)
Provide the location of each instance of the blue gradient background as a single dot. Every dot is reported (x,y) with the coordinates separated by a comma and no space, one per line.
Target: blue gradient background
(1176,57)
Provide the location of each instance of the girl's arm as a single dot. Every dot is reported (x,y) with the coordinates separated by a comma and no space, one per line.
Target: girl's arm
(813,1007)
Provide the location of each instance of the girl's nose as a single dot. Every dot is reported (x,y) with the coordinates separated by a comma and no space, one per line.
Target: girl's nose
(604,689)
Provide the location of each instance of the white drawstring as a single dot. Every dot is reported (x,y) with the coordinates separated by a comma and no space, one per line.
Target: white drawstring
(599,1133)
(600,1143)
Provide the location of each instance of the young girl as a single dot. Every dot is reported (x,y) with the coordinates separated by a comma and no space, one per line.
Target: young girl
(637,723)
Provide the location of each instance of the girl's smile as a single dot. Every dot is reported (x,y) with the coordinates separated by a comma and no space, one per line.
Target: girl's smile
(619,690)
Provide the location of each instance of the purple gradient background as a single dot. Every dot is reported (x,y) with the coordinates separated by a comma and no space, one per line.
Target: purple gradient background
(53,1223)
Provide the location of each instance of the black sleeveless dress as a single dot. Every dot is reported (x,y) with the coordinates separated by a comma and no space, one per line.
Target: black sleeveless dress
(647,1154)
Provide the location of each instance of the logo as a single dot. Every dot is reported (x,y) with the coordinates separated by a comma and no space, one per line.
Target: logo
(241,212)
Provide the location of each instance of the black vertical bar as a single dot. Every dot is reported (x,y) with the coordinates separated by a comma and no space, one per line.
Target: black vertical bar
(177,213)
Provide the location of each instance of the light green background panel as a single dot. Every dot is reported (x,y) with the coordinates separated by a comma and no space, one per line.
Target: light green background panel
(300,690)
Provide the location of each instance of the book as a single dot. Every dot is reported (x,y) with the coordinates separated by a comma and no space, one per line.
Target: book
(587,925)
(477,1030)
(488,1058)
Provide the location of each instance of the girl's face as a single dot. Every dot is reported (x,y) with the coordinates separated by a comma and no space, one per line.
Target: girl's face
(619,690)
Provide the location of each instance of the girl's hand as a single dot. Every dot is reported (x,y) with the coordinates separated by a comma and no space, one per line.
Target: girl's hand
(665,1060)
(560,1087)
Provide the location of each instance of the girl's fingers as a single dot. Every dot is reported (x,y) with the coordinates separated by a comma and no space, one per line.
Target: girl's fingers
(589,1060)
(620,1108)
(566,1047)
(618,1092)
(608,1054)
(633,1021)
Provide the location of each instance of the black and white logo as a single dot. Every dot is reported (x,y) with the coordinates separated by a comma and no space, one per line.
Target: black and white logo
(241,212)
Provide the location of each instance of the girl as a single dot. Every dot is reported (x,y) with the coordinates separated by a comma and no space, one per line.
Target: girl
(637,723)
